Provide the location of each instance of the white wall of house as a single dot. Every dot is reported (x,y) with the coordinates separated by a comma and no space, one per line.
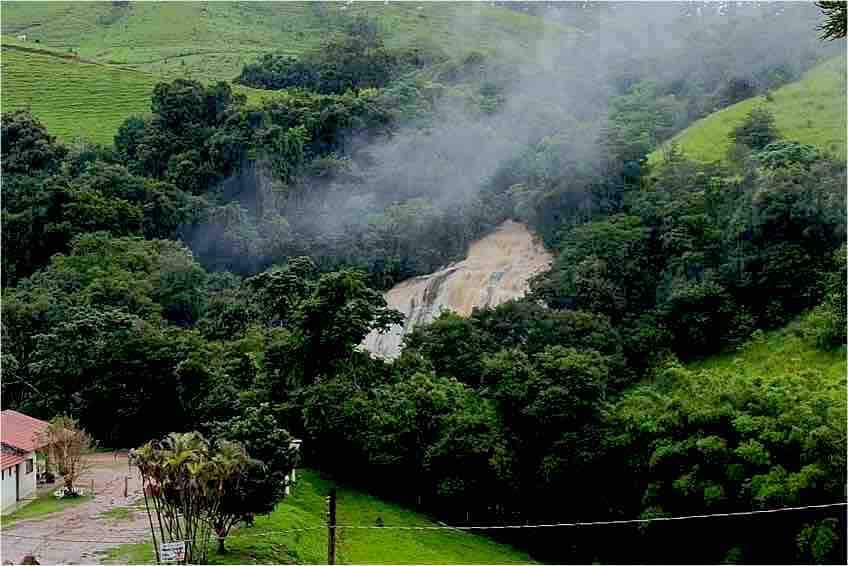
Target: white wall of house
(28,479)
(8,488)
(11,490)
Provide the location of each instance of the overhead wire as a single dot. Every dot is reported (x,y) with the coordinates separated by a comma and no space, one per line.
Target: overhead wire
(474,527)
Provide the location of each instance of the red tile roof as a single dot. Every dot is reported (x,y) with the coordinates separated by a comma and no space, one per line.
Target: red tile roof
(7,460)
(21,431)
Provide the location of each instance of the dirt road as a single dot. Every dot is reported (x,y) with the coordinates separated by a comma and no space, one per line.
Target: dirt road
(49,538)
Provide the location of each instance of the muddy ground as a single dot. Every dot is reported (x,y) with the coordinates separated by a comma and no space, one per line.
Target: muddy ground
(82,533)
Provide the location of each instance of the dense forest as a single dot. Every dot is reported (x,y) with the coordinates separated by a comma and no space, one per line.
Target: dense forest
(220,263)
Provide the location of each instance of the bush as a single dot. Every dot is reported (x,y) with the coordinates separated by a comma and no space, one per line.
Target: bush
(757,131)
(829,318)
(786,153)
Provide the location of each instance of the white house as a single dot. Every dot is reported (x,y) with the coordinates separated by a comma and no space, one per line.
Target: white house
(21,436)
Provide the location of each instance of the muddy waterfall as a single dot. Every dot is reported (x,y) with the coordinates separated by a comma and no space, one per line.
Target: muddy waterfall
(498,268)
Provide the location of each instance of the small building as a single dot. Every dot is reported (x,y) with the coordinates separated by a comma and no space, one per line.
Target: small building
(20,437)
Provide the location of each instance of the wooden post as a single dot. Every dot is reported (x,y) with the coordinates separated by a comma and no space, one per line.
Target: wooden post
(331,526)
(92,487)
(126,482)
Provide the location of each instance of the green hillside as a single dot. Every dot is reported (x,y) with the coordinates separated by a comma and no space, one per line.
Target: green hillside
(72,98)
(811,110)
(780,352)
(306,509)
(84,67)
(76,98)
(213,40)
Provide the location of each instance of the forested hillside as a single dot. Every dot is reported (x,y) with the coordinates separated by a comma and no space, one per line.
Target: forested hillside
(218,264)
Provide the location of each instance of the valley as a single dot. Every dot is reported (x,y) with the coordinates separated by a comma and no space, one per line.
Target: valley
(495,282)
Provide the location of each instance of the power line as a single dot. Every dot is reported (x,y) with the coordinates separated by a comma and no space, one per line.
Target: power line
(482,527)
(600,523)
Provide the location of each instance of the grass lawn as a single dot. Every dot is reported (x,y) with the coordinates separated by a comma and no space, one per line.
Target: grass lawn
(41,507)
(306,508)
(811,110)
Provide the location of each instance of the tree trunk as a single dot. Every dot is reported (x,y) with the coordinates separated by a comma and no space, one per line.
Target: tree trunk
(221,548)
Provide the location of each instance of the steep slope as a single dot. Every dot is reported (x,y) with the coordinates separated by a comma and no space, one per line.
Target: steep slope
(811,110)
(498,268)
(76,98)
(778,352)
(215,39)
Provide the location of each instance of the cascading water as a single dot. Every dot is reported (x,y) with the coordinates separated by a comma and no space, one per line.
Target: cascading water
(498,268)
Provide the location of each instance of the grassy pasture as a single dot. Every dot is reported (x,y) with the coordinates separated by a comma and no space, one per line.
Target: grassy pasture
(213,40)
(76,98)
(811,110)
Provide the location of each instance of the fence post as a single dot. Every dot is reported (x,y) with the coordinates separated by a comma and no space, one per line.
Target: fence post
(331,527)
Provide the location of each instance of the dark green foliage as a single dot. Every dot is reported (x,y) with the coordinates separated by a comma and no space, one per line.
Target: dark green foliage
(453,345)
(818,543)
(82,362)
(51,211)
(786,153)
(702,317)
(718,443)
(599,263)
(515,426)
(275,72)
(27,147)
(317,320)
(830,316)
(705,258)
(194,138)
(354,60)
(129,138)
(757,131)
(258,430)
(783,236)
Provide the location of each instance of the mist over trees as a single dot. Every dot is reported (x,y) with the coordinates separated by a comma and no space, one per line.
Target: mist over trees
(220,263)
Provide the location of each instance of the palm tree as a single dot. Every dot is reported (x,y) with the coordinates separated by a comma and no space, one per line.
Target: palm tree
(190,487)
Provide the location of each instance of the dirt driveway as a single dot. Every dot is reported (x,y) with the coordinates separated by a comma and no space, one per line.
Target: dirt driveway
(50,538)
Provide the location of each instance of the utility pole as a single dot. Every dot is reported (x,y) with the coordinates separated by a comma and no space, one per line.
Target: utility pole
(331,526)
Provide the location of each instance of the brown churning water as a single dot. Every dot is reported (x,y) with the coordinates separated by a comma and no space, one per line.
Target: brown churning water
(498,268)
